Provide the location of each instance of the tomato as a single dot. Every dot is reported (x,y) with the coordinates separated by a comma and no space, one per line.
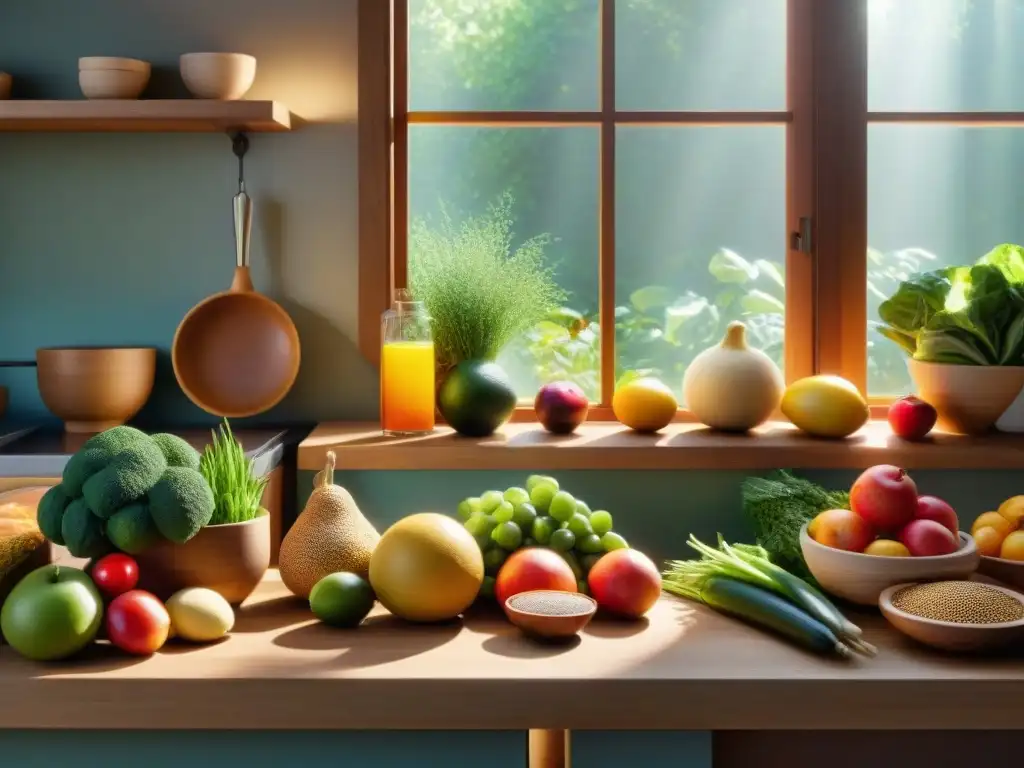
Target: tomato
(137,622)
(115,574)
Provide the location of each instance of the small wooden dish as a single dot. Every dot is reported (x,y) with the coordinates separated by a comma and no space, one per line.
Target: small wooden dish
(574,611)
(950,635)
(1010,572)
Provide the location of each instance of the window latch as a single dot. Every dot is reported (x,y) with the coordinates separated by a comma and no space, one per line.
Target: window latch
(802,241)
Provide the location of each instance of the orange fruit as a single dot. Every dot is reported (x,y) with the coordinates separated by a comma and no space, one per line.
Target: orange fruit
(992,520)
(988,540)
(1013,510)
(1013,547)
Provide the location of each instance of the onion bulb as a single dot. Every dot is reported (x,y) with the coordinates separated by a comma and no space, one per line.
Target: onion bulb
(731,386)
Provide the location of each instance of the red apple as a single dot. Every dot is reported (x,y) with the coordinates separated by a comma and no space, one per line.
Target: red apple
(911,418)
(115,574)
(137,622)
(932,508)
(925,538)
(533,568)
(625,582)
(885,497)
(561,407)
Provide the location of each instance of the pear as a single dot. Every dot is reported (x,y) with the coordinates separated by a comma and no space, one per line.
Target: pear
(330,535)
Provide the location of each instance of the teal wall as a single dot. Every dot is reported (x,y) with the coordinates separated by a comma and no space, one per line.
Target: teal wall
(110,239)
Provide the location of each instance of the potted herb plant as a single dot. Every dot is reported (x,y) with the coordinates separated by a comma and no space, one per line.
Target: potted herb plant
(481,291)
(963,330)
(232,552)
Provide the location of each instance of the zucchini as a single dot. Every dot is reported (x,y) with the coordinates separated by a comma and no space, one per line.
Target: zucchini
(768,610)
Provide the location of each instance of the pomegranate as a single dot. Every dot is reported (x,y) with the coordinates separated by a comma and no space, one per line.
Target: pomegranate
(885,497)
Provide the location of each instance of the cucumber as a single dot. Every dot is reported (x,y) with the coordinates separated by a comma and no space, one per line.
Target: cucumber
(765,609)
(802,594)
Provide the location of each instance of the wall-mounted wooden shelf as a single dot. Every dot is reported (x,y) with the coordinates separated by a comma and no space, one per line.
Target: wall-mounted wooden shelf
(163,115)
(608,446)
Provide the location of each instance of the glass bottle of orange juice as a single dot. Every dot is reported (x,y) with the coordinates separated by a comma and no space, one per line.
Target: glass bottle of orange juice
(406,368)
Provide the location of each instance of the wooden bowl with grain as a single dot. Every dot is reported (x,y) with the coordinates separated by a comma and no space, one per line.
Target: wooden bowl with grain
(963,636)
(549,614)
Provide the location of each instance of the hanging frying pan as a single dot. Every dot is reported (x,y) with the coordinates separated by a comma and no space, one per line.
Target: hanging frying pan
(237,353)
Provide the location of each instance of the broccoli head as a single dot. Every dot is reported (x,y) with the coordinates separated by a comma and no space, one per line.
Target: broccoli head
(131,529)
(177,452)
(127,478)
(83,532)
(50,513)
(98,452)
(180,503)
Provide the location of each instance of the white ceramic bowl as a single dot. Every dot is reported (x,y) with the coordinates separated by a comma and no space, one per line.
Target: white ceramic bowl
(5,86)
(861,578)
(224,76)
(110,77)
(950,635)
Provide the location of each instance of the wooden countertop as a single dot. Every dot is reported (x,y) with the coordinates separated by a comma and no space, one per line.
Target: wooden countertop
(684,668)
(606,446)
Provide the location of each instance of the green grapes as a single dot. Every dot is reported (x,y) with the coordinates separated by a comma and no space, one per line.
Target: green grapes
(469,507)
(601,522)
(490,501)
(516,496)
(504,512)
(562,507)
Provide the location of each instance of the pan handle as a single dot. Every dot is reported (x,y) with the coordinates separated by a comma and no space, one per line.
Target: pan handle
(243,228)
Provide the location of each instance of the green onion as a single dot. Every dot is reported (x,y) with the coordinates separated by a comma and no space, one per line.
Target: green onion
(749,564)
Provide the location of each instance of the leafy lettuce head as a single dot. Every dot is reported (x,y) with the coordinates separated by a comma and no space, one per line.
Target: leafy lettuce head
(962,315)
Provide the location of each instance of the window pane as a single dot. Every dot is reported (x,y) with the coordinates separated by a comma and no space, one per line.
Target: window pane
(938,196)
(945,55)
(700,242)
(503,54)
(700,54)
(551,175)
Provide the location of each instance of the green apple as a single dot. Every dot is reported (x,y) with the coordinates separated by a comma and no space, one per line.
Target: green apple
(52,613)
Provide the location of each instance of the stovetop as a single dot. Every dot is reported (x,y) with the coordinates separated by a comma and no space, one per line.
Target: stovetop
(43,451)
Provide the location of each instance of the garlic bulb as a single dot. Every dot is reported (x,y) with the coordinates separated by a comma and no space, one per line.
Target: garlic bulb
(731,386)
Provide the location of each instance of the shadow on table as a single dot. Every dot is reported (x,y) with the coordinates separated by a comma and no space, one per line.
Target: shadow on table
(378,640)
(268,615)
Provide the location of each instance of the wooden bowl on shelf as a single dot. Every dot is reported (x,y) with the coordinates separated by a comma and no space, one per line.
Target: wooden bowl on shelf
(951,635)
(861,578)
(1009,572)
(550,614)
(95,388)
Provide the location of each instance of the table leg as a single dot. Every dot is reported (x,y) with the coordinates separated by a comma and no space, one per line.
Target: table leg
(549,749)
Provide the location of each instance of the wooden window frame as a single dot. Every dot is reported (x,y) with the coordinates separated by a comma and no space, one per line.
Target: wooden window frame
(826,121)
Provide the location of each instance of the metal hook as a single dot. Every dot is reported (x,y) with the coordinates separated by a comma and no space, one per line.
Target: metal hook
(240,146)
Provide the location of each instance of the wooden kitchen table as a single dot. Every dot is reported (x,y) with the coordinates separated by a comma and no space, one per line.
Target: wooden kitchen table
(682,668)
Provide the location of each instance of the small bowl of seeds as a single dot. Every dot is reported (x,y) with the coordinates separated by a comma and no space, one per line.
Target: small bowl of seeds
(550,614)
(962,616)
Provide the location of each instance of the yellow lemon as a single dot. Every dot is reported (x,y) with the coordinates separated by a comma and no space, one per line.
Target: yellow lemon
(991,520)
(645,405)
(1013,510)
(825,406)
(887,548)
(988,540)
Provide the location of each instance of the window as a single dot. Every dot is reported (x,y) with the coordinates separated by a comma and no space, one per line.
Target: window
(695,162)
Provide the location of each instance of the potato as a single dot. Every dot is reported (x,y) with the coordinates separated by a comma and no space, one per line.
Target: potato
(200,615)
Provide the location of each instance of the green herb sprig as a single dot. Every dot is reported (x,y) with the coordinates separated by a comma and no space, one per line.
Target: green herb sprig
(481,291)
(237,491)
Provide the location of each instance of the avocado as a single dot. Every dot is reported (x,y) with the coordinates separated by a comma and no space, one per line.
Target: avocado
(476,398)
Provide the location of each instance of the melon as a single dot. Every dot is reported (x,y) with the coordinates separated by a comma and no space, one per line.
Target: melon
(426,568)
